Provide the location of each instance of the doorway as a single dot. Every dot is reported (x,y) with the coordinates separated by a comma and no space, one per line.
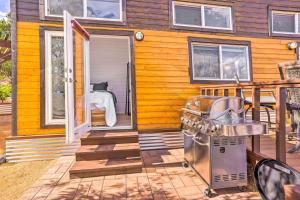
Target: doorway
(111,82)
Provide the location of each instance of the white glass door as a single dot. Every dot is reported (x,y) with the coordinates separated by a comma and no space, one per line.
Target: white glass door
(76,49)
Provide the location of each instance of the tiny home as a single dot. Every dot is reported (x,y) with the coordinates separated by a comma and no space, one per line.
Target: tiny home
(138,61)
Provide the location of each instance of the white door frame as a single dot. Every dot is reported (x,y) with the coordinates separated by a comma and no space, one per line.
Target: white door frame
(74,132)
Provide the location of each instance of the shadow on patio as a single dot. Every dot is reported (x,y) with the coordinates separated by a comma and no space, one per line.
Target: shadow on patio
(163,177)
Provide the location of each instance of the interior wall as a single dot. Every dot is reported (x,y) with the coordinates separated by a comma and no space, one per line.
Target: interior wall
(108,61)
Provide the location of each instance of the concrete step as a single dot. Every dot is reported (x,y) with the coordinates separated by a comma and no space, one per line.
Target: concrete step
(97,138)
(106,167)
(108,151)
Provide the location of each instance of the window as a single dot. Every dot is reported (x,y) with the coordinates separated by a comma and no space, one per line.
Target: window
(54,78)
(285,22)
(219,62)
(202,16)
(109,10)
(74,7)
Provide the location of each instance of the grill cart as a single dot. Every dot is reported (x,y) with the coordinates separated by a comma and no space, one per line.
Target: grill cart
(215,132)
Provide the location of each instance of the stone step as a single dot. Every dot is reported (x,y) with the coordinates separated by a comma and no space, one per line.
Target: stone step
(97,138)
(108,151)
(106,167)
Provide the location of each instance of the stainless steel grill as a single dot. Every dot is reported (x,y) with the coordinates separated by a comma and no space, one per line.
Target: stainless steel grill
(215,132)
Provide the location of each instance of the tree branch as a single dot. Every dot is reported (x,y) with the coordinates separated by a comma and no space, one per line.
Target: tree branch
(5,57)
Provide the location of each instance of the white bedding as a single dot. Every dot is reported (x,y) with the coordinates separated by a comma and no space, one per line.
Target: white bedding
(104,100)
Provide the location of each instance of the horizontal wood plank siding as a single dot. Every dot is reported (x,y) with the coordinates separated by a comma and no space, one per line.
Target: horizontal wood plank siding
(162,75)
(250,16)
(28,104)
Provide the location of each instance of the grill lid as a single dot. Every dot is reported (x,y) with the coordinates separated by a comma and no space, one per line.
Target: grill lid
(201,103)
(217,107)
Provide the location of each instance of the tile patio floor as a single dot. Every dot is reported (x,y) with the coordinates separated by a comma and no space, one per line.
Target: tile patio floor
(162,178)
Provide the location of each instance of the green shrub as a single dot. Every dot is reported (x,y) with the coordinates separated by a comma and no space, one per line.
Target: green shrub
(5,92)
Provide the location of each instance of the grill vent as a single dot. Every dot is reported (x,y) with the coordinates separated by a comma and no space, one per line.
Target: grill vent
(216,143)
(217,179)
(229,177)
(225,178)
(233,177)
(232,141)
(242,176)
(225,142)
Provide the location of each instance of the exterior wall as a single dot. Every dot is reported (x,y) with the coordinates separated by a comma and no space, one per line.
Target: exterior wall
(250,16)
(28,80)
(162,75)
(162,59)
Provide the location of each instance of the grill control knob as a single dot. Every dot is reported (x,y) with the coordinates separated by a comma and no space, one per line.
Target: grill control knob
(215,128)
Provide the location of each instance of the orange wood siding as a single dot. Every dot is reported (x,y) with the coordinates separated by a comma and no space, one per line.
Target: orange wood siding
(162,75)
(28,99)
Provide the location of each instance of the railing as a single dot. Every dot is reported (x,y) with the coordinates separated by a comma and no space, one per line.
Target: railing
(280,88)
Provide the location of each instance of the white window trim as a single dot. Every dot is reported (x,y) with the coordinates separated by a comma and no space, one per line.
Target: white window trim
(220,46)
(85,13)
(175,3)
(296,21)
(48,77)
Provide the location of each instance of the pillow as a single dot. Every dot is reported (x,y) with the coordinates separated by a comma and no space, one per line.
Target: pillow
(100,86)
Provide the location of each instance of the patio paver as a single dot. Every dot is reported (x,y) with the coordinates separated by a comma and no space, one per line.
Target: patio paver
(162,178)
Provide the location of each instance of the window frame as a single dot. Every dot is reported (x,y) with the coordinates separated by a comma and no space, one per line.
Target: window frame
(296,22)
(298,51)
(48,79)
(218,43)
(85,17)
(202,6)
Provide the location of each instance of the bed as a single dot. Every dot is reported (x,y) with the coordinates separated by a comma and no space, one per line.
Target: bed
(103,106)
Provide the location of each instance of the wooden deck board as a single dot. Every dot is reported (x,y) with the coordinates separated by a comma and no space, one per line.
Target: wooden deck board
(162,177)
(268,148)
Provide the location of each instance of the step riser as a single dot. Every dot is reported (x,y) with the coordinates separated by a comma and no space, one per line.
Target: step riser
(108,172)
(107,155)
(103,141)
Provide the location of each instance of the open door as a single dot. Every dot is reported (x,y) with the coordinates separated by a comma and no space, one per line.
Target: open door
(76,49)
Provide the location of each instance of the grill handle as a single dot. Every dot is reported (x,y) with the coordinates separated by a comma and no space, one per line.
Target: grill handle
(200,143)
(187,133)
